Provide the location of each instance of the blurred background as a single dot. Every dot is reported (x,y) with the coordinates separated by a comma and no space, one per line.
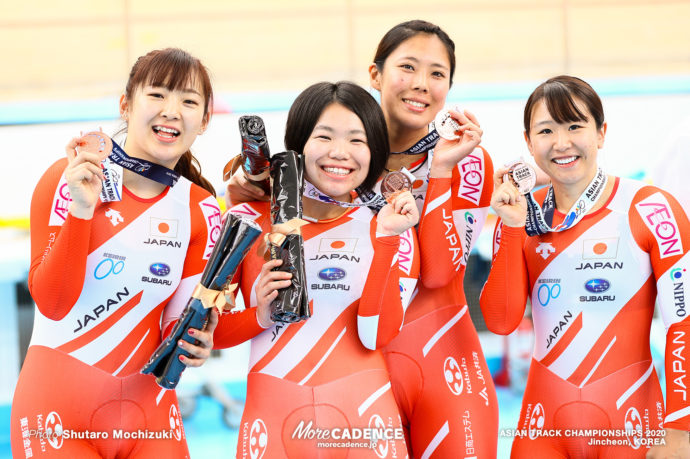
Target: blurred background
(65,64)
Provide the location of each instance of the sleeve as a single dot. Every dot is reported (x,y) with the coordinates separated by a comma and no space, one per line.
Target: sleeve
(455,208)
(59,246)
(388,290)
(661,228)
(205,219)
(504,296)
(240,326)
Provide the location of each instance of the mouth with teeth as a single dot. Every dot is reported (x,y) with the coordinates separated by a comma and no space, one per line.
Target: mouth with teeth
(336,171)
(166,134)
(415,104)
(565,161)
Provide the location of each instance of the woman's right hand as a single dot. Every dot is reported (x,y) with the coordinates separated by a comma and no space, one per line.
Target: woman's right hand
(507,202)
(240,190)
(84,178)
(267,290)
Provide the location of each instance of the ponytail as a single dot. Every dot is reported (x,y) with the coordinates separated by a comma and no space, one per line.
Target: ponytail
(188,167)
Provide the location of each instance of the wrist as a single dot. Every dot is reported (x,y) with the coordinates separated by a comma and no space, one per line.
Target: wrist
(440,171)
(264,318)
(84,213)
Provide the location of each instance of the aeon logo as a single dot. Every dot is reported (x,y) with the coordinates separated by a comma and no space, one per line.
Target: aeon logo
(258,439)
(453,375)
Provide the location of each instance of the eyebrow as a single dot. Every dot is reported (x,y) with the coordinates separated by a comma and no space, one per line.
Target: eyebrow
(414,59)
(330,129)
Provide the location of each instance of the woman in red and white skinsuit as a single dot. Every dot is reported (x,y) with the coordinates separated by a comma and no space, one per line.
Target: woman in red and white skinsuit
(327,373)
(605,250)
(109,277)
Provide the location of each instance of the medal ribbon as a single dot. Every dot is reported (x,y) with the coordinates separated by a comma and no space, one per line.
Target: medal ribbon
(540,219)
(153,171)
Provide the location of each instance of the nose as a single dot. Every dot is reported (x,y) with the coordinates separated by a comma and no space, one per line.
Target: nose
(420,81)
(339,150)
(563,141)
(171,108)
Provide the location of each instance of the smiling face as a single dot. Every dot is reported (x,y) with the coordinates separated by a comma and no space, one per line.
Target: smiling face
(414,82)
(163,123)
(336,154)
(566,151)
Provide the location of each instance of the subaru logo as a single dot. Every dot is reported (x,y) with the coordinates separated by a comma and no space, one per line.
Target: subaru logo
(159,269)
(597,285)
(331,274)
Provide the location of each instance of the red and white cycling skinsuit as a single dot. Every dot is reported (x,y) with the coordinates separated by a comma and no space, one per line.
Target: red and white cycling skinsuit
(317,375)
(592,289)
(440,378)
(102,287)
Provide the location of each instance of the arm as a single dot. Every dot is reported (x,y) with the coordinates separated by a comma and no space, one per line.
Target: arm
(504,296)
(392,275)
(59,245)
(455,208)
(240,326)
(661,228)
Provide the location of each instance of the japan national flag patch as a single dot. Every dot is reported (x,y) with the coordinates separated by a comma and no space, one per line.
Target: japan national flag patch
(337,245)
(163,227)
(602,248)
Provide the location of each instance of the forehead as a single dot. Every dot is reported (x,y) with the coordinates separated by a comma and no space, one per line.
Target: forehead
(423,47)
(336,116)
(542,112)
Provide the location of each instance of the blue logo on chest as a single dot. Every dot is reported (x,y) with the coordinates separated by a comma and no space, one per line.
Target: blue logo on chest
(331,274)
(597,285)
(159,269)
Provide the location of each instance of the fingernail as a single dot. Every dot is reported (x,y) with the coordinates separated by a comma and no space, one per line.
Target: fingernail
(181,343)
(182,358)
(191,332)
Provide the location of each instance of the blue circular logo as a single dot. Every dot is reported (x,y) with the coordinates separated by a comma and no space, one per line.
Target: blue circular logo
(331,274)
(597,285)
(159,269)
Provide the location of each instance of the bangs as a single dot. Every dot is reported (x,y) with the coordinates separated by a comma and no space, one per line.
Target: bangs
(175,73)
(560,104)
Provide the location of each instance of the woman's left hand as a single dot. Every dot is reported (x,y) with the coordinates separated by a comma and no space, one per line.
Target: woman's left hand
(398,216)
(202,350)
(448,153)
(676,446)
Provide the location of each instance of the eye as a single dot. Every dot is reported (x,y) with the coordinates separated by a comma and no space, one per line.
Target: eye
(545,131)
(407,67)
(574,127)
(322,137)
(156,95)
(191,102)
(438,74)
(359,141)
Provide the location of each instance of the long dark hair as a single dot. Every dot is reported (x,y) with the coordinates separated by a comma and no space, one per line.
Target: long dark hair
(401,32)
(173,69)
(307,108)
(558,94)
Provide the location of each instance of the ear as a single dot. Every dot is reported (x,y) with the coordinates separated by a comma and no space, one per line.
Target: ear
(529,142)
(124,107)
(204,123)
(601,133)
(375,77)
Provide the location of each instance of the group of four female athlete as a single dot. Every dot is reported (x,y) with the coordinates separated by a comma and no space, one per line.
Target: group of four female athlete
(390,346)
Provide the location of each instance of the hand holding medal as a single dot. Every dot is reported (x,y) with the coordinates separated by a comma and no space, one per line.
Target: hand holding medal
(401,212)
(511,183)
(460,134)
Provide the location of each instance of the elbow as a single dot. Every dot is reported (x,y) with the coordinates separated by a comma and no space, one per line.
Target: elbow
(369,334)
